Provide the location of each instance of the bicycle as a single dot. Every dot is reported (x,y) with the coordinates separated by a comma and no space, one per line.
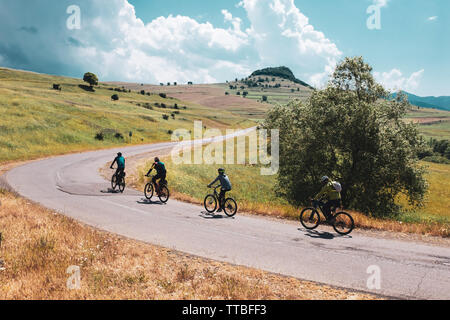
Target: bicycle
(118,181)
(342,222)
(211,201)
(163,194)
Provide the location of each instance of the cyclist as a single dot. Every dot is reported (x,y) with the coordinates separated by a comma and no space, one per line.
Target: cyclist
(225,187)
(160,173)
(332,196)
(120,160)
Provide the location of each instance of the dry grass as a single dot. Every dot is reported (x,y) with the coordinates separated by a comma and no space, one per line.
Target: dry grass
(38,246)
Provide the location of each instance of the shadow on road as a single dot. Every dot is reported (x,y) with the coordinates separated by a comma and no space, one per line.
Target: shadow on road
(321,234)
(146,201)
(110,191)
(207,215)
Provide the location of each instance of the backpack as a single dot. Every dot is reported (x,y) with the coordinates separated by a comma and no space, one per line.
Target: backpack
(337,186)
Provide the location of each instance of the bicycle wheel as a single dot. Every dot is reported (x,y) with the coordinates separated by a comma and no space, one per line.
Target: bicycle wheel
(310,218)
(164,194)
(343,223)
(121,185)
(114,182)
(210,203)
(230,207)
(148,191)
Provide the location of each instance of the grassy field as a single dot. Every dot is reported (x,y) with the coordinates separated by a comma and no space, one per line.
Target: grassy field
(256,194)
(38,247)
(39,121)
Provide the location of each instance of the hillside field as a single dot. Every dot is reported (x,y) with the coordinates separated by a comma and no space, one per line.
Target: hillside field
(39,121)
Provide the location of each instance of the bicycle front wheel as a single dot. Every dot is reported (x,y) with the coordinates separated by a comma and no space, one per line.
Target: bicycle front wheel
(164,194)
(310,218)
(230,207)
(148,191)
(343,223)
(210,203)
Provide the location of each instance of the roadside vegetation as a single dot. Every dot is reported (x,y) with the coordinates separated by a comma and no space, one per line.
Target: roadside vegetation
(39,245)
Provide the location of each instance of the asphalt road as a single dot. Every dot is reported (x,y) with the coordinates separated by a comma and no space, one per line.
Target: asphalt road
(72,185)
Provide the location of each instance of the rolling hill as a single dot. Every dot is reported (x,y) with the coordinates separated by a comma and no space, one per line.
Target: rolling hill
(441,103)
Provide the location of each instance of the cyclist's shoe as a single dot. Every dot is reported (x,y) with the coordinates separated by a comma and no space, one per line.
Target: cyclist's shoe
(220,210)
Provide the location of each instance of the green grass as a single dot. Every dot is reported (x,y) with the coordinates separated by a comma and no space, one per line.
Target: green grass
(39,121)
(440,131)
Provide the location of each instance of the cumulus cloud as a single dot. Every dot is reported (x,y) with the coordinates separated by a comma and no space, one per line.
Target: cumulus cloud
(117,45)
(283,35)
(394,80)
(433,18)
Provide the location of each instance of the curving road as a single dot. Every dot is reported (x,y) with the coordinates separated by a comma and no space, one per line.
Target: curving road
(72,185)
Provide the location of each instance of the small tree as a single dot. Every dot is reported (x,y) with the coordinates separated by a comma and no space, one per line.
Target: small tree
(91,79)
(114,97)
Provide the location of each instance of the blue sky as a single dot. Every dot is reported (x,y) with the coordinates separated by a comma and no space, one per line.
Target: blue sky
(212,41)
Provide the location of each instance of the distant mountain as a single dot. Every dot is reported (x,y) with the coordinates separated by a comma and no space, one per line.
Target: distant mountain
(282,72)
(442,103)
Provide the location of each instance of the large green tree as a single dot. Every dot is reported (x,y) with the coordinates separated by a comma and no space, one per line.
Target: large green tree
(352,132)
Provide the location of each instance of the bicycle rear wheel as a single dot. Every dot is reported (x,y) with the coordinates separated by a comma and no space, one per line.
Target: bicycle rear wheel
(121,185)
(230,207)
(164,194)
(310,218)
(210,203)
(148,191)
(343,223)
(114,182)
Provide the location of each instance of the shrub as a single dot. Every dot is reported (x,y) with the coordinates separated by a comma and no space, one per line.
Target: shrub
(115,97)
(227,93)
(99,136)
(190,83)
(170,132)
(57,86)
(238,93)
(143,92)
(163,105)
(163,95)
(119,136)
(165,117)
(264,98)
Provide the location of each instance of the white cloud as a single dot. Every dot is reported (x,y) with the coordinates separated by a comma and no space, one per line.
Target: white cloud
(433,18)
(117,45)
(283,35)
(394,80)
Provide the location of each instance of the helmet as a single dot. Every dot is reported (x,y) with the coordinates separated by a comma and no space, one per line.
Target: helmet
(156,159)
(324,178)
(221,171)
(119,154)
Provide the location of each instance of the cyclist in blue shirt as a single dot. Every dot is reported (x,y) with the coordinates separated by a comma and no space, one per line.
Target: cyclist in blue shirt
(120,160)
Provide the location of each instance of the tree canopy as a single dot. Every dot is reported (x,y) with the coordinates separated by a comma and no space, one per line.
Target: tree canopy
(351,132)
(90,78)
